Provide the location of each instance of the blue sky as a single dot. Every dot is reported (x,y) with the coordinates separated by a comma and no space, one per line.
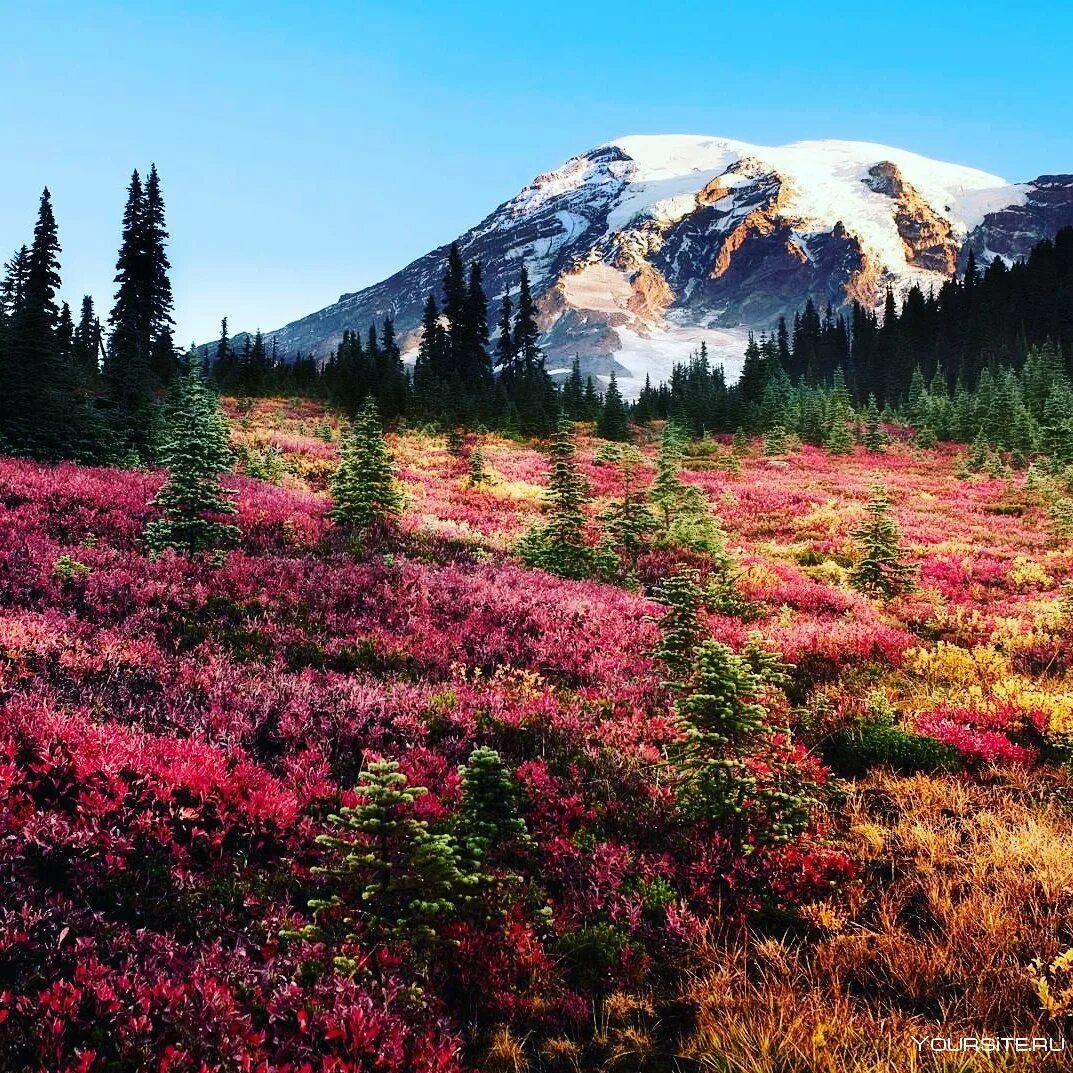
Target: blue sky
(310,149)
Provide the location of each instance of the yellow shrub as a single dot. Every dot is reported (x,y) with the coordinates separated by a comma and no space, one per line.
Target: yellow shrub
(1027,574)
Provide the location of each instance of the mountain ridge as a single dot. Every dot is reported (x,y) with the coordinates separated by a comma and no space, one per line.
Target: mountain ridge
(645,246)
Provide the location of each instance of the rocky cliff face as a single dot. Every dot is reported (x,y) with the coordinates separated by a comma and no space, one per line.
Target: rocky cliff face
(640,249)
(1043,208)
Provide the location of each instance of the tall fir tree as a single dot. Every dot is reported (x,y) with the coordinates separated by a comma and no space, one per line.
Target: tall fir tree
(526,333)
(614,421)
(159,298)
(128,376)
(43,409)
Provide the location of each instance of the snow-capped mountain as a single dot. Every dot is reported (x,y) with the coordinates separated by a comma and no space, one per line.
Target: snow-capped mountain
(641,248)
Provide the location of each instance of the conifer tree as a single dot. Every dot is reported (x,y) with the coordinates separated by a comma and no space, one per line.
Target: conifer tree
(628,521)
(159,301)
(874,438)
(590,400)
(393,881)
(86,344)
(680,628)
(559,546)
(839,439)
(128,375)
(724,726)
(881,570)
(775,441)
(574,392)
(191,504)
(505,339)
(478,473)
(364,492)
(526,332)
(682,511)
(13,285)
(479,363)
(614,422)
(43,411)
(488,824)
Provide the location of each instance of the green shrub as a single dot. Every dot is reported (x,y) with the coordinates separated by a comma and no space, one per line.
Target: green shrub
(879,744)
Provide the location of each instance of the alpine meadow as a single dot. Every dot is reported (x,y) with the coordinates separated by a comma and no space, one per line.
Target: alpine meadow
(634,636)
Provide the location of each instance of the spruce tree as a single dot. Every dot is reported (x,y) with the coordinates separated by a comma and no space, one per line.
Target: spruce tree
(573,395)
(680,628)
(86,345)
(43,410)
(364,491)
(881,569)
(628,521)
(159,301)
(477,472)
(129,380)
(191,504)
(614,422)
(682,511)
(393,882)
(726,743)
(488,824)
(526,332)
(874,438)
(839,439)
(505,353)
(776,442)
(559,546)
(479,363)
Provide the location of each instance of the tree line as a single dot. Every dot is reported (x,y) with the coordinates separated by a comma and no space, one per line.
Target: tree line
(986,357)
(77,389)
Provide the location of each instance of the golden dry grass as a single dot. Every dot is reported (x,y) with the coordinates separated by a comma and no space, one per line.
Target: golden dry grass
(965,898)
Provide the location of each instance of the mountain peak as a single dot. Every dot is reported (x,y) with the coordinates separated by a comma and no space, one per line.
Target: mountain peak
(647,245)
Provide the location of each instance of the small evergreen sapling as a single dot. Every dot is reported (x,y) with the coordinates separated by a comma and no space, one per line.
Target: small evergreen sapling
(488,825)
(394,882)
(195,451)
(364,492)
(881,570)
(628,521)
(682,512)
(559,546)
(727,741)
(680,627)
(874,438)
(477,473)
(839,438)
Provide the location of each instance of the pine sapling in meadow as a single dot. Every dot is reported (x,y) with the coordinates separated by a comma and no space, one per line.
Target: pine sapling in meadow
(364,491)
(682,512)
(559,546)
(874,437)
(727,741)
(881,570)
(680,627)
(194,449)
(839,439)
(488,824)
(393,882)
(477,473)
(628,520)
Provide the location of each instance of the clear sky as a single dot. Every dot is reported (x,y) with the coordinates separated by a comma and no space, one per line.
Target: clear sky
(307,149)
